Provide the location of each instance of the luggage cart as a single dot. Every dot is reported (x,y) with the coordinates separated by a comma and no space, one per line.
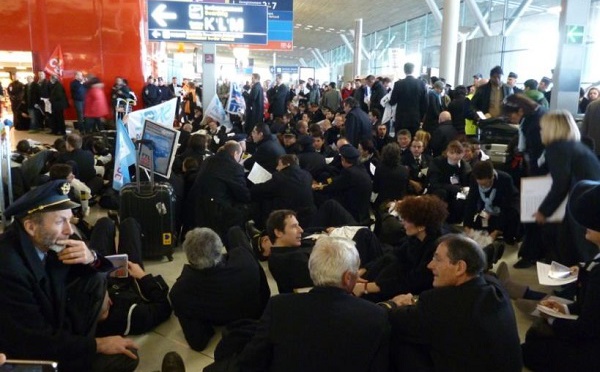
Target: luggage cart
(124,107)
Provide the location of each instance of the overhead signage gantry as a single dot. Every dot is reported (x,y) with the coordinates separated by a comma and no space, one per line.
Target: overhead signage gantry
(207,22)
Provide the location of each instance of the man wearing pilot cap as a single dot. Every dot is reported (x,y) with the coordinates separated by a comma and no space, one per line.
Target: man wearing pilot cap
(53,287)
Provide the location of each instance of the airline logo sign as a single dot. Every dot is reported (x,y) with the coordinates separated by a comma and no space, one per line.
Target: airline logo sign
(206,22)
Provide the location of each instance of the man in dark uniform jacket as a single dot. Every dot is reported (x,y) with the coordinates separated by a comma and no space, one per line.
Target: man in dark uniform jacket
(268,149)
(220,192)
(492,202)
(283,246)
(214,288)
(278,98)
(358,125)
(53,288)
(151,93)
(290,188)
(417,163)
(410,97)
(377,93)
(564,344)
(255,107)
(466,323)
(353,187)
(326,329)
(308,158)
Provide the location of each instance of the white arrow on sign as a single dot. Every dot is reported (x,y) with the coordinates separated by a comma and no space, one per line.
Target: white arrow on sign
(160,15)
(156,34)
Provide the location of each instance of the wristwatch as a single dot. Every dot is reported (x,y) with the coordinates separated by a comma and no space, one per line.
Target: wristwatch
(95,255)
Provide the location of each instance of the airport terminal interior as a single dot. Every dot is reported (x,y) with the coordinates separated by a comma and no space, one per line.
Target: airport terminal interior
(554,42)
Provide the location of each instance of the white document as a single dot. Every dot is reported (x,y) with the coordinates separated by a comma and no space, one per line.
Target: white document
(533,192)
(373,197)
(545,278)
(259,174)
(481,115)
(555,314)
(328,160)
(372,168)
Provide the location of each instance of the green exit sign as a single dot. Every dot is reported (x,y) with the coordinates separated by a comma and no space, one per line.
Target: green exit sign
(574,34)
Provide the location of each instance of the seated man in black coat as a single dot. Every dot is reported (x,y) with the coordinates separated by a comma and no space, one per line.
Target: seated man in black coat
(268,149)
(326,329)
(84,160)
(290,188)
(417,162)
(287,257)
(219,195)
(492,203)
(216,288)
(466,323)
(353,187)
(443,134)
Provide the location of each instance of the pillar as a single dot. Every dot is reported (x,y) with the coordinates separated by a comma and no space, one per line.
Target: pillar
(449,40)
(357,46)
(573,26)
(209,73)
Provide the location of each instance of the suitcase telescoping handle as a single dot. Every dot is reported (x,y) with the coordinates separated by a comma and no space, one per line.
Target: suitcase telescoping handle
(150,145)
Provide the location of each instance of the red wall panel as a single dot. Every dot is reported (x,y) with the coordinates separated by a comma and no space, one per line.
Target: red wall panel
(102,37)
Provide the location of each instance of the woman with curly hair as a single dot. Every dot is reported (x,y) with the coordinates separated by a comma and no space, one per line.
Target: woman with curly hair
(404,269)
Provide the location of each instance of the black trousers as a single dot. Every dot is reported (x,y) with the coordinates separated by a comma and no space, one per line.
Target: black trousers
(102,239)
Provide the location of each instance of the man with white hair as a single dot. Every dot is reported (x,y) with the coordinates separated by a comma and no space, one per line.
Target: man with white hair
(216,287)
(326,329)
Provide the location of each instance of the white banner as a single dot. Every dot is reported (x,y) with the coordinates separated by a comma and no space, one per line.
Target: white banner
(216,111)
(163,114)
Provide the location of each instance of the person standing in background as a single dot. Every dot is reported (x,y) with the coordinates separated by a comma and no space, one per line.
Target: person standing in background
(59,102)
(78,96)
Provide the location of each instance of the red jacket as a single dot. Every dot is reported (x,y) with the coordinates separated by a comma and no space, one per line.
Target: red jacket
(95,105)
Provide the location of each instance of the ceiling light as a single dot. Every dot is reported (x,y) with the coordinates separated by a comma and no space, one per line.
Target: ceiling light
(309,26)
(554,10)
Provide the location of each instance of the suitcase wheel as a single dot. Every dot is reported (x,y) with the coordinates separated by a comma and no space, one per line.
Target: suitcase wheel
(170,257)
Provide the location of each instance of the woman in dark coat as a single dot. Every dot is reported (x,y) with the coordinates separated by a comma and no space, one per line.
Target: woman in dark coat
(569,161)
(404,269)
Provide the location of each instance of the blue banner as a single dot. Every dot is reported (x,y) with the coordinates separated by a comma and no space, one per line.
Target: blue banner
(207,22)
(124,157)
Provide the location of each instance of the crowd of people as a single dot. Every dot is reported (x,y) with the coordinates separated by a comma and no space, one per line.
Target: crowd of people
(372,196)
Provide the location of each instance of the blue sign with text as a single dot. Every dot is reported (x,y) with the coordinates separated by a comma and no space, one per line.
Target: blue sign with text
(281,21)
(207,22)
(284,69)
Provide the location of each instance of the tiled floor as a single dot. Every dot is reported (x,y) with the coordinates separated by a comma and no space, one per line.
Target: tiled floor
(169,337)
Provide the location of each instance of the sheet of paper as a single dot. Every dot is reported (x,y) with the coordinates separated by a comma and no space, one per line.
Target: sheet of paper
(372,168)
(328,160)
(555,314)
(373,197)
(544,279)
(533,192)
(258,174)
(119,261)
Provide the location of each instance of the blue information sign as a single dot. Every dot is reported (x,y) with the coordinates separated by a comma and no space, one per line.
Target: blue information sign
(207,22)
(284,69)
(281,22)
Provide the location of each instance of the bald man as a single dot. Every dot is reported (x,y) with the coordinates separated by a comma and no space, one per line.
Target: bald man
(443,134)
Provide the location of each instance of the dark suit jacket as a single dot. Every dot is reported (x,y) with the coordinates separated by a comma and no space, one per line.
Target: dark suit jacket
(432,114)
(410,96)
(415,171)
(481,99)
(352,188)
(256,107)
(221,178)
(569,162)
(390,183)
(33,299)
(507,199)
(439,176)
(441,137)
(267,153)
(326,329)
(85,163)
(278,97)
(312,161)
(530,127)
(377,93)
(289,267)
(291,188)
(470,327)
(358,126)
(217,296)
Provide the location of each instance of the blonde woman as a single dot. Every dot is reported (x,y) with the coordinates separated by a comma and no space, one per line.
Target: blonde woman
(569,161)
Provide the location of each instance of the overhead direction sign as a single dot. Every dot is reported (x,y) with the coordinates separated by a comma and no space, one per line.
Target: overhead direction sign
(281,24)
(284,69)
(207,22)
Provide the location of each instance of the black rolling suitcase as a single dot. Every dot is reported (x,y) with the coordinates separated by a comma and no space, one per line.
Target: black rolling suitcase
(495,135)
(153,206)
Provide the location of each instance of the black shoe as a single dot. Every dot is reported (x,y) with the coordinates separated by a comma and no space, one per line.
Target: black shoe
(172,362)
(523,264)
(251,230)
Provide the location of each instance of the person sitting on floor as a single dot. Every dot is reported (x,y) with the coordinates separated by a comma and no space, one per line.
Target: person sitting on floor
(216,288)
